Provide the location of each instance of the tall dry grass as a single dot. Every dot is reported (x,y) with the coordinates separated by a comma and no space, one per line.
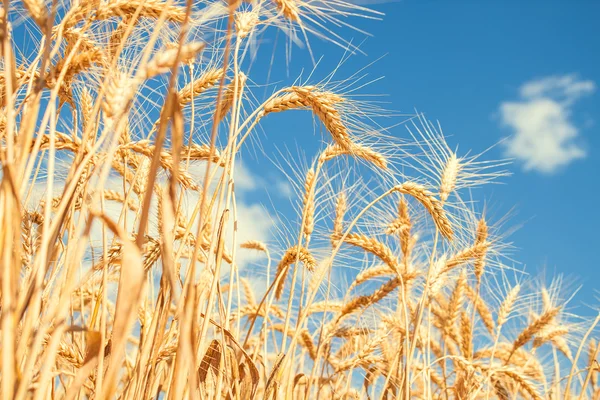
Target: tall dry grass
(121,274)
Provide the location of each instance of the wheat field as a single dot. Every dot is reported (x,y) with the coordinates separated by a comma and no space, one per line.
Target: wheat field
(123,273)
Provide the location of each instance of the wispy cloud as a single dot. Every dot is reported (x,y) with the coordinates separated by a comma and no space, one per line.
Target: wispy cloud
(545,138)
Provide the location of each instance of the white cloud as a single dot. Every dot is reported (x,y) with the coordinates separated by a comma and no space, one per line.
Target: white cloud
(284,188)
(545,138)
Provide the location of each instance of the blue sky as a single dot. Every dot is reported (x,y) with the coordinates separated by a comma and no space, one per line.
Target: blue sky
(459,62)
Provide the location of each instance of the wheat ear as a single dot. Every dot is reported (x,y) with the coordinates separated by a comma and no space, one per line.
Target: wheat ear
(290,256)
(195,88)
(288,9)
(535,327)
(431,204)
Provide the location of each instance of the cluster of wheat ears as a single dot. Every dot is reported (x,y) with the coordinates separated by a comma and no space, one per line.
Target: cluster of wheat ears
(121,273)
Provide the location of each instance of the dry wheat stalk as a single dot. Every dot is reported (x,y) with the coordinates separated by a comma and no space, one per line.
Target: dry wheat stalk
(435,283)
(561,344)
(119,94)
(464,256)
(81,61)
(249,310)
(325,306)
(350,331)
(172,350)
(370,273)
(593,366)
(194,152)
(549,334)
(307,341)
